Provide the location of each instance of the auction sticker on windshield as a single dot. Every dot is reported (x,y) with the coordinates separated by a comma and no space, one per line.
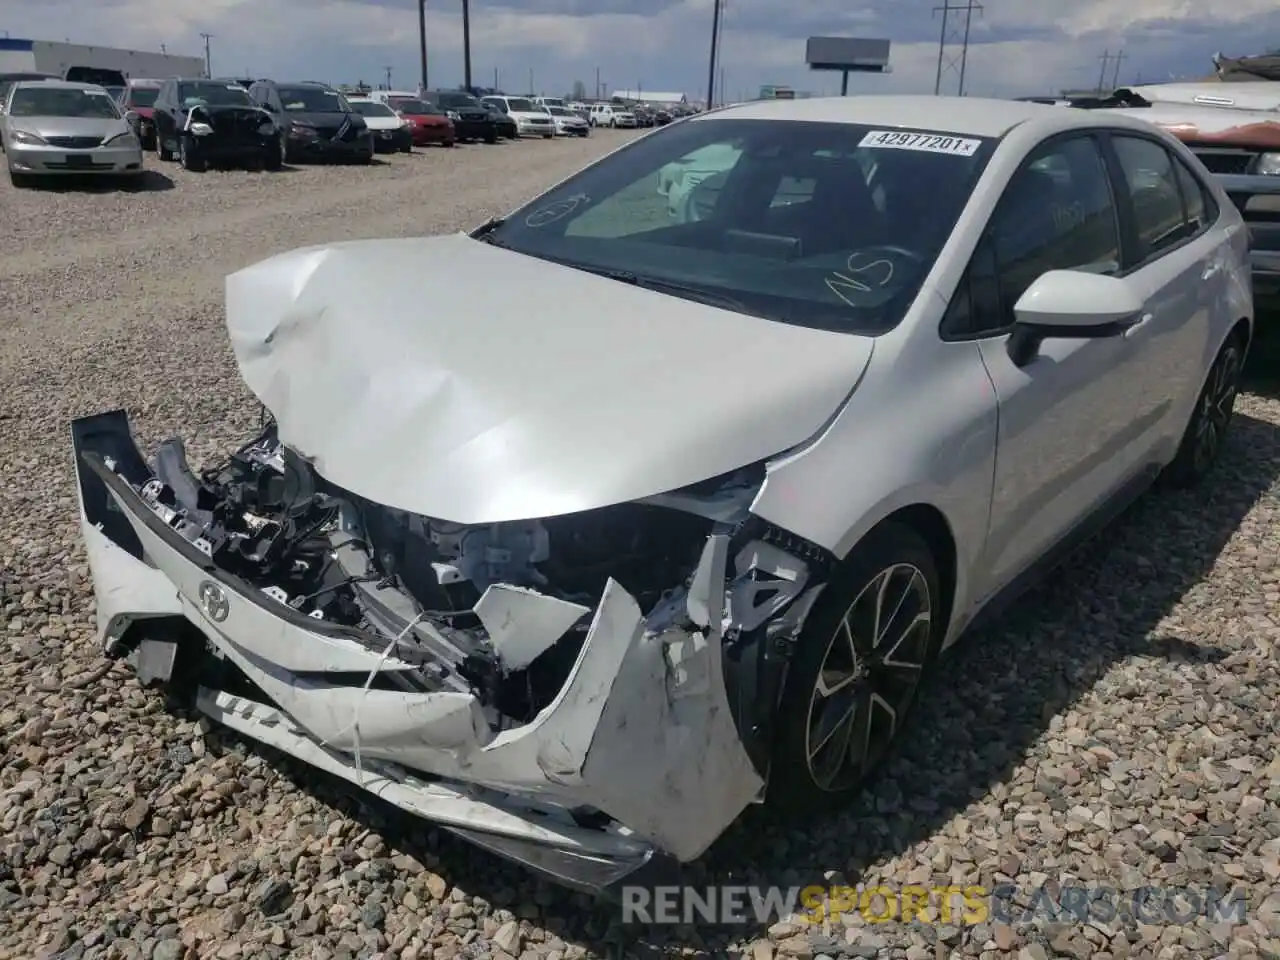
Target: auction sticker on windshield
(928,142)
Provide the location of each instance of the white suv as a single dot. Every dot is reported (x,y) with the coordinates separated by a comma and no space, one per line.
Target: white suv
(607,115)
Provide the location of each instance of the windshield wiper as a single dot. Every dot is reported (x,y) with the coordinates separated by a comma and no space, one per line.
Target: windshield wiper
(673,287)
(484,232)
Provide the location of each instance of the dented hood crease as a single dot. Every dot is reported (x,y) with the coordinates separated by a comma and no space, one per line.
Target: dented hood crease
(455,379)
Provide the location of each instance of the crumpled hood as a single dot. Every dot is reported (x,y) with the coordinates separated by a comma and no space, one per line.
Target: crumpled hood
(1205,124)
(455,379)
(323,119)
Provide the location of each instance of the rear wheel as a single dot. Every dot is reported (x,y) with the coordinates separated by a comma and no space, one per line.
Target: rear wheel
(272,159)
(162,150)
(862,656)
(1205,433)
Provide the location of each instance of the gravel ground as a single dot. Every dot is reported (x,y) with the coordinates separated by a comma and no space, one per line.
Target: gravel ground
(1117,729)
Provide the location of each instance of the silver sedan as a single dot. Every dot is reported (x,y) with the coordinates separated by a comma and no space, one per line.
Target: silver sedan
(50,127)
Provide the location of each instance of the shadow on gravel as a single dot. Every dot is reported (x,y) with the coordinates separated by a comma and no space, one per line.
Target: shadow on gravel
(151,181)
(1002,688)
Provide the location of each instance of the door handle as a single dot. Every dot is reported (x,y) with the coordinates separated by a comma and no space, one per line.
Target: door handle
(1211,271)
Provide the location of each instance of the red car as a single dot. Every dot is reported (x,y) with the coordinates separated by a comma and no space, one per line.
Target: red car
(427,124)
(140,97)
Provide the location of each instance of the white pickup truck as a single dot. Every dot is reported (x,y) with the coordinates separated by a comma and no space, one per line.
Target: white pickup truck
(1231,121)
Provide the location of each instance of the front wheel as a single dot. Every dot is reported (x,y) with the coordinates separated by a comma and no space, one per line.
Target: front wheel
(862,655)
(1202,442)
(188,158)
(162,150)
(490,138)
(20,180)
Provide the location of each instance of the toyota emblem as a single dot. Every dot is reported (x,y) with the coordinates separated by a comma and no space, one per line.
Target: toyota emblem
(213,601)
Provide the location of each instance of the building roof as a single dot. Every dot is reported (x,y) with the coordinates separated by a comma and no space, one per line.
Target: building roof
(649,96)
(973,115)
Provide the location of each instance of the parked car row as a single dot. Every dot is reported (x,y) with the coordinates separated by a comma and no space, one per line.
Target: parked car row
(50,126)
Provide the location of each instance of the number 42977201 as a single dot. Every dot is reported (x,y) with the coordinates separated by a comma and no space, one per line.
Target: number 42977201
(926,142)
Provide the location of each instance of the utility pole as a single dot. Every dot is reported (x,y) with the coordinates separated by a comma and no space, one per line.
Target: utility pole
(1102,74)
(1115,74)
(715,44)
(208,62)
(597,83)
(422,41)
(531,90)
(496,85)
(387,71)
(466,44)
(954,33)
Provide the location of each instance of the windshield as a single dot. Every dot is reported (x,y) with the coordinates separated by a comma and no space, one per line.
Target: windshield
(552,102)
(368,108)
(818,224)
(312,100)
(456,100)
(415,107)
(213,93)
(62,102)
(521,104)
(560,112)
(143,96)
(104,78)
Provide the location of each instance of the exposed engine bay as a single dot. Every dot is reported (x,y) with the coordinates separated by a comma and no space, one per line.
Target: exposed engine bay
(266,516)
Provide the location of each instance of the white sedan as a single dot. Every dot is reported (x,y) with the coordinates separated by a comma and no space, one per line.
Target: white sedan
(581,578)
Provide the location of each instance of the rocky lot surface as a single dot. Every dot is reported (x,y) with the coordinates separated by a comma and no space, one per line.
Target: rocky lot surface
(1117,730)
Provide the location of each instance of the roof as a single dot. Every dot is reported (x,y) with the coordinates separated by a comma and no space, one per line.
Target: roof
(57,84)
(972,115)
(648,95)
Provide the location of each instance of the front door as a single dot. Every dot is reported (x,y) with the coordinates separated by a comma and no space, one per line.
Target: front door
(1067,419)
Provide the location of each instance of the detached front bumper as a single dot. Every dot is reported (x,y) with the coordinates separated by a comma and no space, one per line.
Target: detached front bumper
(635,766)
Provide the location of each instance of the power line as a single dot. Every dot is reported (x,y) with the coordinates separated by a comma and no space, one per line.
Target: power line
(954,33)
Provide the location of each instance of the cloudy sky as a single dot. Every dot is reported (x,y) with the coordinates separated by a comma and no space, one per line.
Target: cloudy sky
(1022,47)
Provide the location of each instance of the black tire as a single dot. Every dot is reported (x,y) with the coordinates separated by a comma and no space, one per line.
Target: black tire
(548,136)
(407,148)
(1202,442)
(163,152)
(490,138)
(21,180)
(272,161)
(450,143)
(187,157)
(872,690)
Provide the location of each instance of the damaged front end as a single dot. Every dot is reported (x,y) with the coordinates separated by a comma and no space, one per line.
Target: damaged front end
(589,694)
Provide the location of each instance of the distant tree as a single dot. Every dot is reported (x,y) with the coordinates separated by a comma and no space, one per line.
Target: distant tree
(579,91)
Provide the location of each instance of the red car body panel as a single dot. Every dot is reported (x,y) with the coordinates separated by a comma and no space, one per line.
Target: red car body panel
(427,128)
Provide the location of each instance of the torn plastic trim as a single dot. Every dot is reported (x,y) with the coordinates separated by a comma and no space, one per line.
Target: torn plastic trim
(620,738)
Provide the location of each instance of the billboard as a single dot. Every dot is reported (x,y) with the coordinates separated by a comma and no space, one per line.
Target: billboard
(852,54)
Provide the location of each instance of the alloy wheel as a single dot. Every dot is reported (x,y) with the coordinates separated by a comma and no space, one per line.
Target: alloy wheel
(872,667)
(1216,406)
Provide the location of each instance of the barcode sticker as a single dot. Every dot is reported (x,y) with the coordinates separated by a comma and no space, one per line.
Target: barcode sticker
(927,142)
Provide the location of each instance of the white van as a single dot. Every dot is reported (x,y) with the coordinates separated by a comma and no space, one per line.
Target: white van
(531,119)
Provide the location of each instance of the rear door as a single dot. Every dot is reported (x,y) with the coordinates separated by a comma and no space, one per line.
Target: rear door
(1176,261)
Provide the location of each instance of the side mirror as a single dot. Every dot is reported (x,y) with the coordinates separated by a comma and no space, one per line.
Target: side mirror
(1071,304)
(132,116)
